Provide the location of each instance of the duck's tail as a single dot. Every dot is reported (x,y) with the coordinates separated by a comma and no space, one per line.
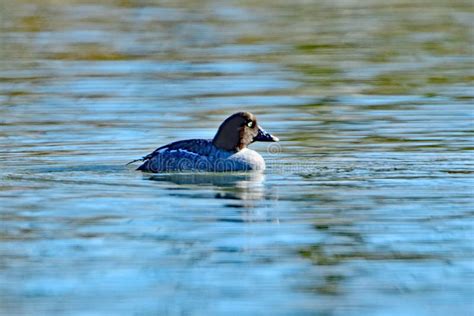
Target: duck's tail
(140,159)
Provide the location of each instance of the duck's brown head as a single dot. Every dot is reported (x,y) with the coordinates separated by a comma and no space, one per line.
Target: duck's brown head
(240,130)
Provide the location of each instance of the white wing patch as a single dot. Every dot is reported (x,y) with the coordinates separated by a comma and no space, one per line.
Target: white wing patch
(181,151)
(162,150)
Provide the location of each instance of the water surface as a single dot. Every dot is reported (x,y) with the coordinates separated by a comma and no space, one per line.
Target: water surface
(366,206)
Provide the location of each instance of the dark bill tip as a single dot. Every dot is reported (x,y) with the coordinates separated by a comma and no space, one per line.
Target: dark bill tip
(263,136)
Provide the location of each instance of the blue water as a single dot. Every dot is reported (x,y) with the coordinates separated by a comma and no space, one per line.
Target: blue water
(366,207)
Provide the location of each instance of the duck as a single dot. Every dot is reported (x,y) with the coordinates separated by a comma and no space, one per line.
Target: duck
(228,151)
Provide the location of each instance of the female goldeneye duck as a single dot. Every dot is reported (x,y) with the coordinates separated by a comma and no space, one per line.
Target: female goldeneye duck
(226,152)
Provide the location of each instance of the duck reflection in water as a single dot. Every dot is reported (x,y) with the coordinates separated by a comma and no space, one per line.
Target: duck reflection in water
(232,186)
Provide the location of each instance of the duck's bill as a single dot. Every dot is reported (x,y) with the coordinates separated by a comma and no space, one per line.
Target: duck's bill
(263,136)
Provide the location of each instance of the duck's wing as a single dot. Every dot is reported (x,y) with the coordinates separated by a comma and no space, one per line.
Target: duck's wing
(188,147)
(195,146)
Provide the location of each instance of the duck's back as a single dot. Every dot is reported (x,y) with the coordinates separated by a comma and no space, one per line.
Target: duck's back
(202,155)
(180,155)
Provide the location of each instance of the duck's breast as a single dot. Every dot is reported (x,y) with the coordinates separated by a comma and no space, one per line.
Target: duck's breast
(248,159)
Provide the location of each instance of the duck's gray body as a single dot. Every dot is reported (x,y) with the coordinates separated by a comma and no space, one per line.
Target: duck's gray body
(227,151)
(201,155)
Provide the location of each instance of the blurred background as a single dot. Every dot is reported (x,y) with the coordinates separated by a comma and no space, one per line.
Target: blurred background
(366,207)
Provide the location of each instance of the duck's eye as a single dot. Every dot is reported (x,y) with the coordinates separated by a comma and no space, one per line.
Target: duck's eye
(250,124)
